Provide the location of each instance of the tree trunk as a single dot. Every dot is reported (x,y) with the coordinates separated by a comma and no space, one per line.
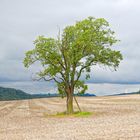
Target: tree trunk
(69,101)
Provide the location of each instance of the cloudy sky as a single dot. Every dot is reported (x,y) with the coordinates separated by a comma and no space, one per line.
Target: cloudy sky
(21,21)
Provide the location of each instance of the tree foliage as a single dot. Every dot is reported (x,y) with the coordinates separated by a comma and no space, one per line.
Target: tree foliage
(76,50)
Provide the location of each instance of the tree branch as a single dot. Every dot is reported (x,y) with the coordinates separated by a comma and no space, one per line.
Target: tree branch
(84,67)
(38,79)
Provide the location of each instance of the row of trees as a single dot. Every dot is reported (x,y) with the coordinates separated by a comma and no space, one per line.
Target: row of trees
(74,52)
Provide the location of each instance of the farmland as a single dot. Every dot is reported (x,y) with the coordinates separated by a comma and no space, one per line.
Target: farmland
(113,118)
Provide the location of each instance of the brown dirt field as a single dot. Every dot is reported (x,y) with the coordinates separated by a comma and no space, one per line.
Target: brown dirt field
(114,118)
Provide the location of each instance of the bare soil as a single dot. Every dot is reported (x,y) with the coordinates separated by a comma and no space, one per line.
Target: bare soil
(113,118)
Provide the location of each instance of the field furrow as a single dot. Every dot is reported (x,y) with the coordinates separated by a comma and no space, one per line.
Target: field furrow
(113,118)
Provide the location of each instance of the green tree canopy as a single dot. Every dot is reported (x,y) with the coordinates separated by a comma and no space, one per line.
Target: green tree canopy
(76,50)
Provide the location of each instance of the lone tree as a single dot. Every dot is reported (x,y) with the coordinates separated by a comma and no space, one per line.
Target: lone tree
(75,51)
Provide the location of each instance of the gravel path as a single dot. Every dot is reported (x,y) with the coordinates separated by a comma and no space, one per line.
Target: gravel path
(114,118)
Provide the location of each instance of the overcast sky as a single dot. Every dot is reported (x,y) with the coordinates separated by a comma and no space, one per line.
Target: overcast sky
(21,21)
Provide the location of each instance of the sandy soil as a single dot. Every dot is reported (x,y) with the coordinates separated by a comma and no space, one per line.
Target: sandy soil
(114,118)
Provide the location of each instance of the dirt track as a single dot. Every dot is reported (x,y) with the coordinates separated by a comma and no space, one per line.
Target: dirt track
(114,118)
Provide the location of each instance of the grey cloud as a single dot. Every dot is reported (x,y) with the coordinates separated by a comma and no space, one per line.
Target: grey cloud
(21,21)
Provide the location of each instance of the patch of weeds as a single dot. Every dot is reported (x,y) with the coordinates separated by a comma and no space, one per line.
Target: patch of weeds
(83,114)
(64,114)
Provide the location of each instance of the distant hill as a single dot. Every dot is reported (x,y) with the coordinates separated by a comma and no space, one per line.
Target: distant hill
(131,93)
(14,94)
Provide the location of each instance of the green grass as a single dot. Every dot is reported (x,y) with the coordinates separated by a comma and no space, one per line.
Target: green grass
(83,114)
(64,114)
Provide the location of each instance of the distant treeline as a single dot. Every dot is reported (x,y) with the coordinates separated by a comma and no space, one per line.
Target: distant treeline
(14,94)
(131,93)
